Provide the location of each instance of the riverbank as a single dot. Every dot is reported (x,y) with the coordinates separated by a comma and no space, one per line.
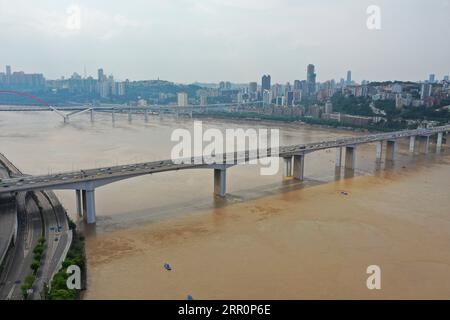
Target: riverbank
(274,119)
(318,123)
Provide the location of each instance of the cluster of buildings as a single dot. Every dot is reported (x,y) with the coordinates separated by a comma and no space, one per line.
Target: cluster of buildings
(104,86)
(21,80)
(310,98)
(307,98)
(277,94)
(428,93)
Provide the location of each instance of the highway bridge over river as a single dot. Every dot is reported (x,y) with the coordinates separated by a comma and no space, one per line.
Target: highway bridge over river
(84,182)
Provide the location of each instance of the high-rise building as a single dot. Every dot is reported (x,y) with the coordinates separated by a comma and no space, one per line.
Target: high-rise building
(289,98)
(311,79)
(8,74)
(267,97)
(252,87)
(253,91)
(280,100)
(446,78)
(104,89)
(425,90)
(120,88)
(297,96)
(298,88)
(265,83)
(276,90)
(182,98)
(431,78)
(349,77)
(287,88)
(101,75)
(240,97)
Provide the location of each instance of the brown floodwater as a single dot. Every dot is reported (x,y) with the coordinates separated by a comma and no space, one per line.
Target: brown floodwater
(271,238)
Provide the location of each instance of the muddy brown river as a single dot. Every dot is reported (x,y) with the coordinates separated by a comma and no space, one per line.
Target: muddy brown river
(270,238)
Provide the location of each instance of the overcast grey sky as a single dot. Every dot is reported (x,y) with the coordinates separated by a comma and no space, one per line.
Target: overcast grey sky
(235,40)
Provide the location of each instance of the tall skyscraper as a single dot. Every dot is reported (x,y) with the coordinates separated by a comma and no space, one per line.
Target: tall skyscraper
(265,82)
(101,75)
(446,78)
(311,79)
(349,77)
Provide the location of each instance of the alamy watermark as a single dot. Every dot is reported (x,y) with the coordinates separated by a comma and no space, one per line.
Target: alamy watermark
(73,21)
(236,146)
(374,280)
(74,280)
(374,19)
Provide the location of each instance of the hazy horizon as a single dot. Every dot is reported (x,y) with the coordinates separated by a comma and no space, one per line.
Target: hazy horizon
(188,41)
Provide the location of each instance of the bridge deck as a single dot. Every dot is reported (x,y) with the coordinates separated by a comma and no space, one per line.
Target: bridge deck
(114,173)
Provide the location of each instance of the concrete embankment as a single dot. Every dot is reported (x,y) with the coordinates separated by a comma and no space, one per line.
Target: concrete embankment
(8,216)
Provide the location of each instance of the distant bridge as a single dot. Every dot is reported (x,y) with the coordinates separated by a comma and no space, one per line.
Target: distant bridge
(69,112)
(86,181)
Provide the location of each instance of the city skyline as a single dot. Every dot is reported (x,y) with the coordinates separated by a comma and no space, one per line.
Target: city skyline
(189,41)
(347,77)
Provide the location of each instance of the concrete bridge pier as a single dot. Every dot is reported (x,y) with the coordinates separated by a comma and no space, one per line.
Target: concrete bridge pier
(338,157)
(391,150)
(424,144)
(79,202)
(146,115)
(129,115)
(83,203)
(439,142)
(299,167)
(92,115)
(287,167)
(220,181)
(412,144)
(113,116)
(350,157)
(379,151)
(89,205)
